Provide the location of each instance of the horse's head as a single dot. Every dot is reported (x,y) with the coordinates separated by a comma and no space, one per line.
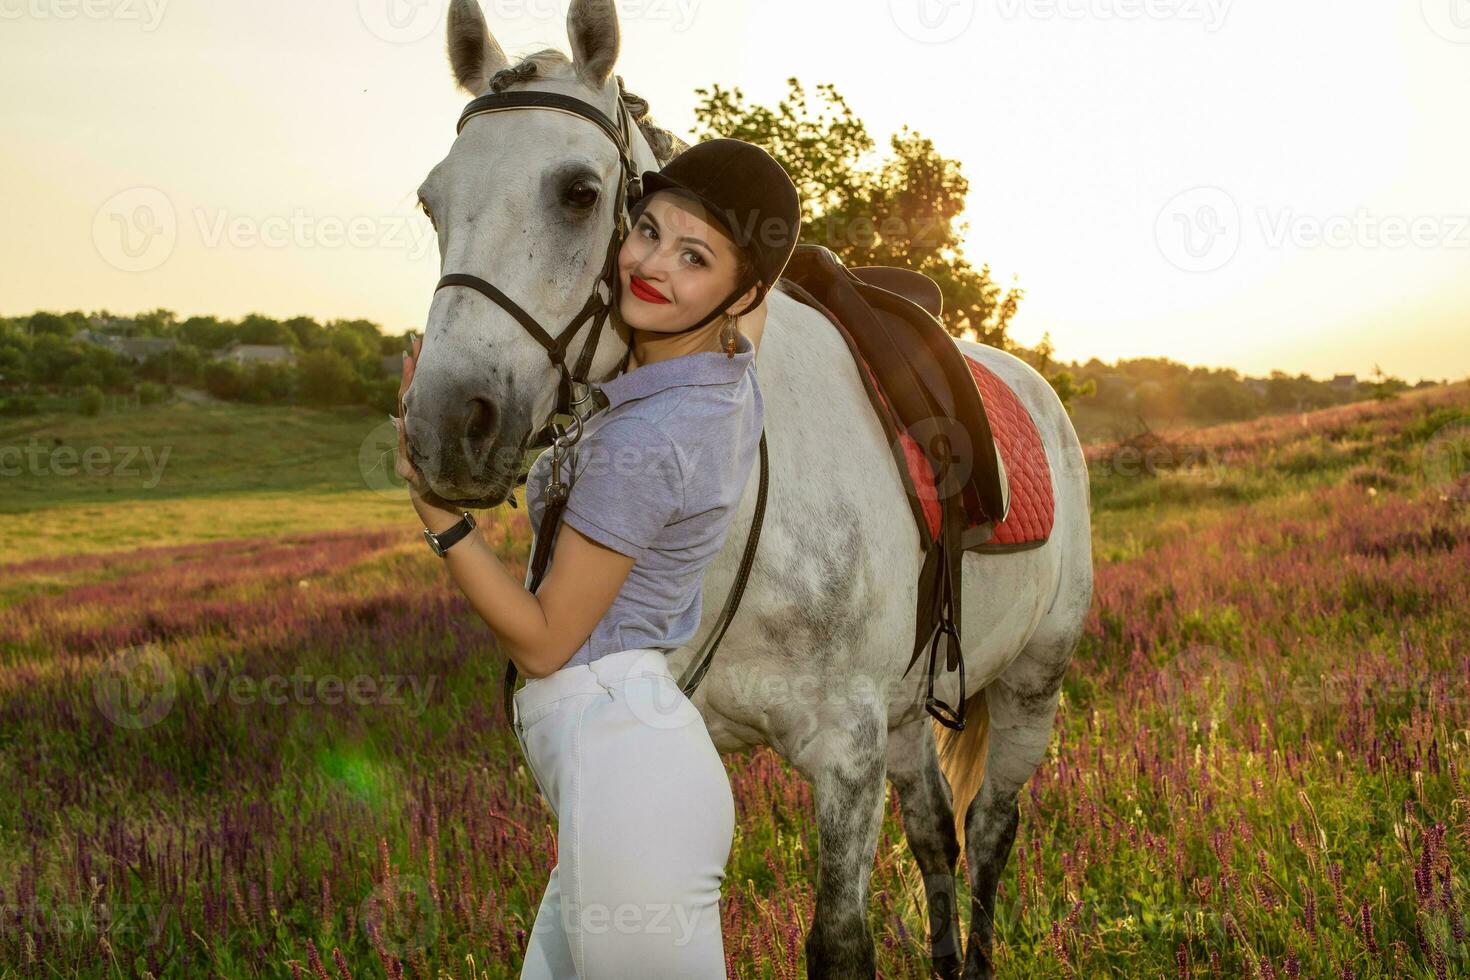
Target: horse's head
(525,201)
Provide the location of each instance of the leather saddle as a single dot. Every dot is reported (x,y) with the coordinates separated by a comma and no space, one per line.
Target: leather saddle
(919,385)
(913,286)
(924,292)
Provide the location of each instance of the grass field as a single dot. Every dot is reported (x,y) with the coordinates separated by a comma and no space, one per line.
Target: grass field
(247,721)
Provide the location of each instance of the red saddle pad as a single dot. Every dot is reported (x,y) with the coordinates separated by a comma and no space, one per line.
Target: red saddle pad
(1028,474)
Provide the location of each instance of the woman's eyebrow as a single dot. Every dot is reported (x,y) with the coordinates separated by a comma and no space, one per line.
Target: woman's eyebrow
(682,238)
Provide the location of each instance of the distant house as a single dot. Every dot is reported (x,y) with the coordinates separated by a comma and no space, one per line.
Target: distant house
(238,353)
(136,349)
(392,365)
(92,337)
(1346,382)
(140,349)
(1257,385)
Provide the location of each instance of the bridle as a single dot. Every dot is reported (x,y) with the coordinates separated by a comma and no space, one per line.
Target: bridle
(575,396)
(573,391)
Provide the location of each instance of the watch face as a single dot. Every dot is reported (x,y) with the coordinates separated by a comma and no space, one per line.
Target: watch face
(433,542)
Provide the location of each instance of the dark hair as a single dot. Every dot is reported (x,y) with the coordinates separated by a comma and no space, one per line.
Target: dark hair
(744,267)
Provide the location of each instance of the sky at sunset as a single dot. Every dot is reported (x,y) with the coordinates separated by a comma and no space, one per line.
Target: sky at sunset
(1256,185)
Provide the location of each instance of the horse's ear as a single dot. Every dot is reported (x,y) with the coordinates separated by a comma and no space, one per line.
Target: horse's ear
(592,26)
(474,53)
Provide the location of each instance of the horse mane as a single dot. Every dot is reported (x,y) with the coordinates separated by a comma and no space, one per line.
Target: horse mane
(551,63)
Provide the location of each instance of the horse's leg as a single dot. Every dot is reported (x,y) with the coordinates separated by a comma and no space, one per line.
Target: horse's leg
(844,759)
(1022,704)
(928,822)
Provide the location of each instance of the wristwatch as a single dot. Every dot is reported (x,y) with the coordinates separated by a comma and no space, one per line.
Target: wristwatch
(447,538)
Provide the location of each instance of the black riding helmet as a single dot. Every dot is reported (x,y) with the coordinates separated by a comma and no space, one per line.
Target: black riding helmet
(749,194)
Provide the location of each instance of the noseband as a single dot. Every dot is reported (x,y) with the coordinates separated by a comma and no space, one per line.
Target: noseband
(574,394)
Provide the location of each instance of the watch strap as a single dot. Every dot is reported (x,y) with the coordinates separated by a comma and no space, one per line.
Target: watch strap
(450,536)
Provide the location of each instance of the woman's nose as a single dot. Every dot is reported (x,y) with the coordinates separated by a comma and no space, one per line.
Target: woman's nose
(651,269)
(652,265)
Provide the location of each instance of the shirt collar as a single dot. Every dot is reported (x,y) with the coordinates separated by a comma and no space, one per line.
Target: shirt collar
(699,368)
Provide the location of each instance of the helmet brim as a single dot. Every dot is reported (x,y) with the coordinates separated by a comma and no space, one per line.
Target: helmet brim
(654,181)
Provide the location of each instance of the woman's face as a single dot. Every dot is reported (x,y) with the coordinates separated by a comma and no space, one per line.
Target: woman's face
(674,266)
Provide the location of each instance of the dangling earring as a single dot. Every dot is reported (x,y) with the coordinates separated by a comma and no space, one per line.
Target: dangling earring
(728,335)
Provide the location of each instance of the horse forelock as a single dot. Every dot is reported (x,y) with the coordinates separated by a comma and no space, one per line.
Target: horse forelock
(549,63)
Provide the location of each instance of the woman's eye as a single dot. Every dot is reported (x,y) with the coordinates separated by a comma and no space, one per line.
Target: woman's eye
(695,258)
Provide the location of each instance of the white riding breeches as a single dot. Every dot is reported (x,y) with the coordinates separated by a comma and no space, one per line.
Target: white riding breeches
(645,819)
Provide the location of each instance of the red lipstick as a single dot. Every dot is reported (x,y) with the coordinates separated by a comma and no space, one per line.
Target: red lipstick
(645,292)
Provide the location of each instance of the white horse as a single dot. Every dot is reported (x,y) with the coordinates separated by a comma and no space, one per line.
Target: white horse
(812,661)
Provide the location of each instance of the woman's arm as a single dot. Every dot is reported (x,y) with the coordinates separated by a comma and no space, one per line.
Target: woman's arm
(538,630)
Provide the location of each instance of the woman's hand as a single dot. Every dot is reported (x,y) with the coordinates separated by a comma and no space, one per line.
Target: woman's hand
(431,508)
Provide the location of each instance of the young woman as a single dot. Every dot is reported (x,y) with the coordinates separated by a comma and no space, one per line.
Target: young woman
(644,808)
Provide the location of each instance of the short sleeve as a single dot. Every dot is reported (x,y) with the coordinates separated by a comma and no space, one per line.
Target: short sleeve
(629,484)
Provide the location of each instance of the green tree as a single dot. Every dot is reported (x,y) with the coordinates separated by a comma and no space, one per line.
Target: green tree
(150,393)
(257,329)
(1067,387)
(89,402)
(1285,393)
(899,210)
(82,375)
(268,383)
(309,334)
(326,378)
(1385,386)
(51,356)
(205,332)
(351,345)
(368,332)
(183,365)
(158,323)
(13,368)
(49,324)
(224,379)
(1220,399)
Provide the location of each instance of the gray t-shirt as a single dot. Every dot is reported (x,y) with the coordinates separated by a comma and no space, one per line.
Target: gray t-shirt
(656,476)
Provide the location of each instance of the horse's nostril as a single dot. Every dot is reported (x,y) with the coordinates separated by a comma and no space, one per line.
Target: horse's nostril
(479,425)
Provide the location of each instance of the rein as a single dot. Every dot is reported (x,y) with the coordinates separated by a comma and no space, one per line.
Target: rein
(575,396)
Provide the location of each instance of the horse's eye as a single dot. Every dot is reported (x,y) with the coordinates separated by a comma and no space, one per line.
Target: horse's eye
(424,207)
(582,194)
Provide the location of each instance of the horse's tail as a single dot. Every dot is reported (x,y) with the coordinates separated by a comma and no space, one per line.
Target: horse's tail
(962,757)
